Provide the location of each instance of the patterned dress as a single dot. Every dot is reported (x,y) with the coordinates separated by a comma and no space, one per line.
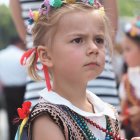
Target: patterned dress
(73,121)
(130,94)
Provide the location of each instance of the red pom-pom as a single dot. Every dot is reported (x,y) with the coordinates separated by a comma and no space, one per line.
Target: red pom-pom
(25,110)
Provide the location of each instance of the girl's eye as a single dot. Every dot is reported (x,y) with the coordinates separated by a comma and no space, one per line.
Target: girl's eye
(77,40)
(99,40)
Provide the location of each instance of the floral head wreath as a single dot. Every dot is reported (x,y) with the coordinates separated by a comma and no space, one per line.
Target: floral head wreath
(46,6)
(133,29)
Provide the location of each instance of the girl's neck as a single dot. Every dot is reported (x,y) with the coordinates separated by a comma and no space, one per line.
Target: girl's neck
(76,94)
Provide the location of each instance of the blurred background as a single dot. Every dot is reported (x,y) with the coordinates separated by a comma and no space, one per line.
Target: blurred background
(128,9)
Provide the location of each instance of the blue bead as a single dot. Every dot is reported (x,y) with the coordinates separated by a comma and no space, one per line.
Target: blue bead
(80,124)
(86,127)
(78,121)
(83,127)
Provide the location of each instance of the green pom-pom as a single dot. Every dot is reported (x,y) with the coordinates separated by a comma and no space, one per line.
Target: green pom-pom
(56,3)
(138,24)
(91,2)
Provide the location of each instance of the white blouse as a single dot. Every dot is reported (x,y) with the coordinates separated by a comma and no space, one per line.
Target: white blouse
(101,109)
(134,79)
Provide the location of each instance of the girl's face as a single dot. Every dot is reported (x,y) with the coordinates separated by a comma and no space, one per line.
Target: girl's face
(131,52)
(78,49)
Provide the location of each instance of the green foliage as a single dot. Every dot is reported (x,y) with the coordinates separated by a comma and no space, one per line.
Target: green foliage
(7,28)
(129,7)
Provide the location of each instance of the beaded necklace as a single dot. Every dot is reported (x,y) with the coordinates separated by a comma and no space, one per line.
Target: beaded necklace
(82,123)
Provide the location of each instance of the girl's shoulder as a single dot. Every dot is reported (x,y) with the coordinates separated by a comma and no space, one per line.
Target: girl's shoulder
(44,128)
(46,109)
(43,119)
(59,115)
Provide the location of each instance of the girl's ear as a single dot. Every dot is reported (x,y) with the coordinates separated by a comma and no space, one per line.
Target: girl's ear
(44,55)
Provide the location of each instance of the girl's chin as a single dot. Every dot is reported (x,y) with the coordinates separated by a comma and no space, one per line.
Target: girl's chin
(91,77)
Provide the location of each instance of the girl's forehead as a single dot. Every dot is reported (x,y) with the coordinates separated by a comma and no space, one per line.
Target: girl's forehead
(81,21)
(81,17)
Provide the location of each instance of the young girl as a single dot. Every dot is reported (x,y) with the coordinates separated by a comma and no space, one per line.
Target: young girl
(104,86)
(70,39)
(130,86)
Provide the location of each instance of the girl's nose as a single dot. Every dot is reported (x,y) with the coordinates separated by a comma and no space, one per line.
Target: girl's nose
(92,49)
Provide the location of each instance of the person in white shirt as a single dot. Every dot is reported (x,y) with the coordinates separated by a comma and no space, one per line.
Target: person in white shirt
(12,79)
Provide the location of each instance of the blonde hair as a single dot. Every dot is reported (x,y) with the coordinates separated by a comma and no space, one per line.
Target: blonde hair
(44,30)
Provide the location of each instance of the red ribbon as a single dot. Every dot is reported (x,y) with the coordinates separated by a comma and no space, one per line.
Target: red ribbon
(25,110)
(47,77)
(26,55)
(24,59)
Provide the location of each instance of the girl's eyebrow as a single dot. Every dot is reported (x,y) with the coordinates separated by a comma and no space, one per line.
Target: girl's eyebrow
(100,35)
(77,34)
(86,34)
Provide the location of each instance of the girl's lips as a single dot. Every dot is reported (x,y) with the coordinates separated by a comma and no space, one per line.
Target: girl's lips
(92,64)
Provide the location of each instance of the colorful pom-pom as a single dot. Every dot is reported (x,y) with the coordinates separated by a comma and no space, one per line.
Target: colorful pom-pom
(46,2)
(128,27)
(35,15)
(31,21)
(102,11)
(25,110)
(91,2)
(133,32)
(30,14)
(138,24)
(56,3)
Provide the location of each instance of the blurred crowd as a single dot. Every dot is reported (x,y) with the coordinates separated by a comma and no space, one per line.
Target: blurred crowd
(125,58)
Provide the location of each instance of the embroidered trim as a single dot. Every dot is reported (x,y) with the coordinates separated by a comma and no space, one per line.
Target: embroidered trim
(61,117)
